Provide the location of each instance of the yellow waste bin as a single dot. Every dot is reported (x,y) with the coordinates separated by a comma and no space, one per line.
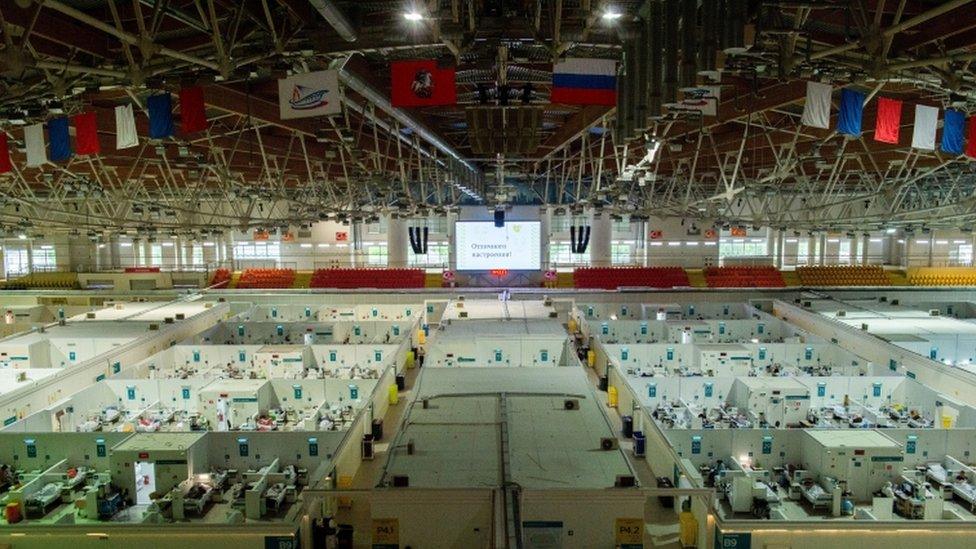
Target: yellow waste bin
(394,394)
(612,397)
(947,422)
(421,337)
(410,360)
(688,529)
(591,358)
(572,325)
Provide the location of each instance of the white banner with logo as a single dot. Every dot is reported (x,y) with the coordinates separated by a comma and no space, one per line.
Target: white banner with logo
(309,94)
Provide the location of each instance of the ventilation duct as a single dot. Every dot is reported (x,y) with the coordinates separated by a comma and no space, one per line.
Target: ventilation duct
(671,17)
(709,46)
(733,22)
(635,98)
(643,57)
(689,43)
(621,129)
(328,10)
(655,43)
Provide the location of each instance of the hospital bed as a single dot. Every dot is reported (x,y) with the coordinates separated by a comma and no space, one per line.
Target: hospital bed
(815,494)
(197,498)
(39,502)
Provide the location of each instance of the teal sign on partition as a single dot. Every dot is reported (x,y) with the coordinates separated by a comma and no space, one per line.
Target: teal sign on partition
(733,540)
(430,308)
(911,444)
(708,389)
(186,393)
(605,328)
(670,353)
(313,446)
(241,356)
(242,447)
(297,391)
(691,309)
(762,353)
(696,444)
(130,392)
(274,312)
(378,356)
(934,353)
(354,392)
(767,445)
(808,353)
(821,389)
(31,447)
(652,390)
(498,355)
(721,328)
(544,356)
(72,356)
(408,313)
(196,356)
(725,310)
(116,367)
(61,313)
(240,330)
(356,330)
(308,312)
(589,311)
(332,356)
(624,353)
(892,364)
(396,330)
(375,312)
(280,330)
(876,390)
(761,328)
(100,450)
(643,329)
(623,311)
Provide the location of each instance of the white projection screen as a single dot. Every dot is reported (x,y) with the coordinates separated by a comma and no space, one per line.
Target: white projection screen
(481,246)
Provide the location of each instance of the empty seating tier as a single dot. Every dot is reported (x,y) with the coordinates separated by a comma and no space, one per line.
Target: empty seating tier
(368,278)
(266,278)
(942,276)
(42,281)
(220,278)
(610,278)
(744,277)
(871,275)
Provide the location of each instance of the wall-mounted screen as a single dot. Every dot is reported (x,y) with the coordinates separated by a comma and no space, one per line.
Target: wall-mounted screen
(481,246)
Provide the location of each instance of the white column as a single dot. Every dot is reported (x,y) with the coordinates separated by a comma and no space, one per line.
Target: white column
(396,242)
(452,241)
(931,247)
(545,217)
(228,248)
(780,248)
(865,248)
(600,235)
(822,253)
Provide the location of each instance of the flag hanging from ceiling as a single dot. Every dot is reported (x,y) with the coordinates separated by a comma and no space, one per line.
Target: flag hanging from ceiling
(953,132)
(422,83)
(193,113)
(926,125)
(851,111)
(60,139)
(816,110)
(888,124)
(160,115)
(579,81)
(703,99)
(125,127)
(86,134)
(5,165)
(34,142)
(309,94)
(971,138)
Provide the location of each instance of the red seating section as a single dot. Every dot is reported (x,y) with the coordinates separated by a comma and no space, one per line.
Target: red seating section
(368,278)
(744,277)
(220,278)
(611,278)
(266,278)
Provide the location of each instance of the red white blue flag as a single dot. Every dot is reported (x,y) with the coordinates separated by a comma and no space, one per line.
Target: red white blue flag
(578,81)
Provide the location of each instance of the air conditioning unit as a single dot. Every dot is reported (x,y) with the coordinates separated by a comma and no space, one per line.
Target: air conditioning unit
(935,312)
(571,404)
(841,313)
(180,316)
(608,443)
(401,481)
(463,314)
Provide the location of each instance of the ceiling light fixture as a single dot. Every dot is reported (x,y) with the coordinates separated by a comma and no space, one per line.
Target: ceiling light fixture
(413,16)
(612,14)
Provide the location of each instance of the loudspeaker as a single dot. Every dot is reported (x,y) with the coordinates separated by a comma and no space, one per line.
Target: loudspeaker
(401,481)
(499,218)
(608,443)
(571,404)
(625,481)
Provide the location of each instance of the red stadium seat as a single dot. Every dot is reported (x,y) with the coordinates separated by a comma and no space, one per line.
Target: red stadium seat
(745,276)
(368,278)
(266,279)
(611,278)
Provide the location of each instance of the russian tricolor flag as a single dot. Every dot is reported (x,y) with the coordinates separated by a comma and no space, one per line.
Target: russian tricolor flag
(577,81)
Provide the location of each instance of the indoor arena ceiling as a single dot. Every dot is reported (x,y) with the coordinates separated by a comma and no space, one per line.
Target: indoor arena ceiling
(753,163)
